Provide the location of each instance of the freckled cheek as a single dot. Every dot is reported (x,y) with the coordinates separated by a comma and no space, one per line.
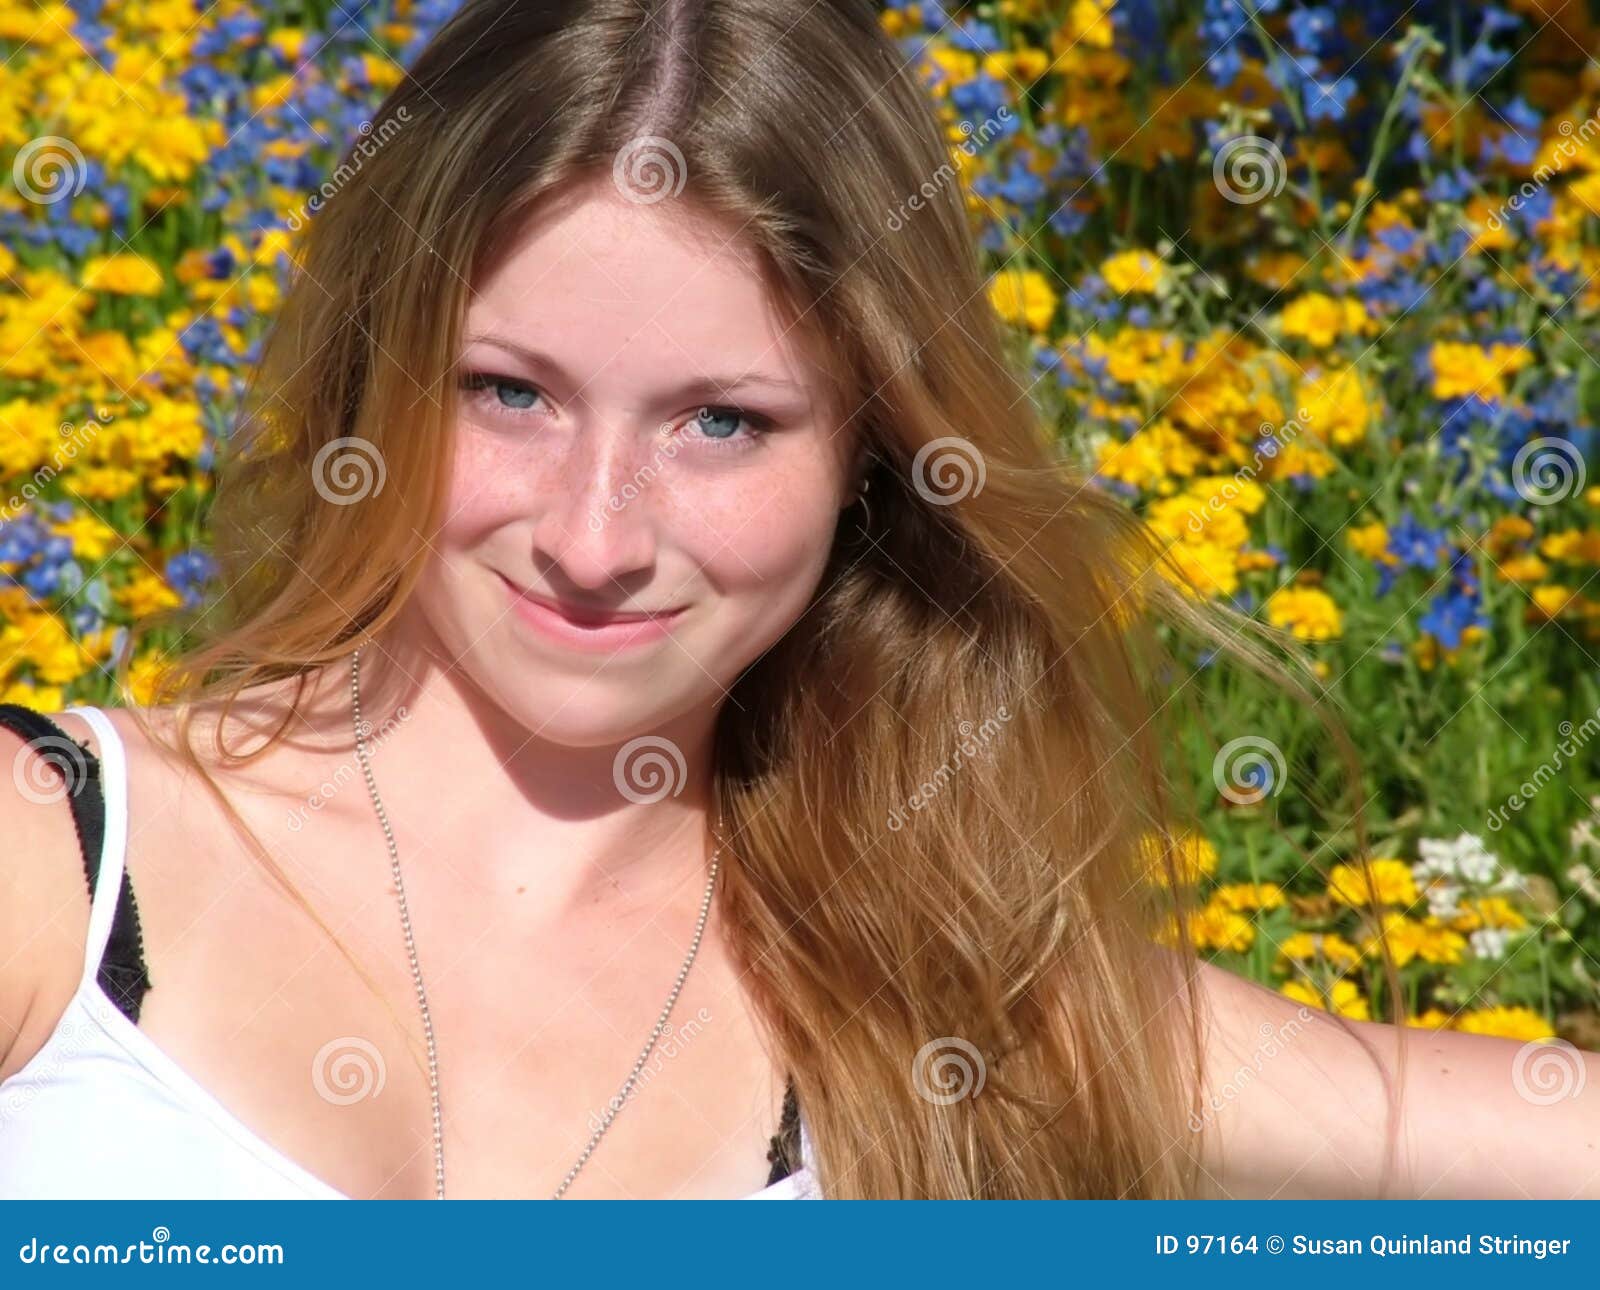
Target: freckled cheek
(769,544)
(490,484)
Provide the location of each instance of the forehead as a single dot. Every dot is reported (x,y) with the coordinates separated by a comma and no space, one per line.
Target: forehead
(606,282)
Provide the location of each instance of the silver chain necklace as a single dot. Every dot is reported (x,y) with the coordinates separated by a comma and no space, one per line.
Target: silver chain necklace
(362,730)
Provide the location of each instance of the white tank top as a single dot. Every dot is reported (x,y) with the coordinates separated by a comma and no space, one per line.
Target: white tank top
(102,1112)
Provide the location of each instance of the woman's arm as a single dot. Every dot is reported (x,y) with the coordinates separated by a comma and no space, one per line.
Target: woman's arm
(44,904)
(1296,1106)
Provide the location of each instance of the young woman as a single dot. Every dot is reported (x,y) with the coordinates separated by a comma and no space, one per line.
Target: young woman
(635,505)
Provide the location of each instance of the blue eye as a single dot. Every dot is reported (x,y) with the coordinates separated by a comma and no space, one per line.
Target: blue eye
(510,395)
(719,426)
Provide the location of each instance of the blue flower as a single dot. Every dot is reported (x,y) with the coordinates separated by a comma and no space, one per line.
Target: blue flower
(1413,545)
(1450,614)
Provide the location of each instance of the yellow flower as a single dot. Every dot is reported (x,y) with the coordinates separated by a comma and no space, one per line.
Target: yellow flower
(1308,946)
(1506,1022)
(1432,1018)
(143,672)
(1510,528)
(1148,456)
(1344,996)
(1523,568)
(1460,370)
(41,698)
(1203,568)
(1192,518)
(1487,911)
(1303,457)
(125,274)
(1550,599)
(1087,22)
(91,539)
(1391,882)
(47,643)
(1244,896)
(1370,540)
(1132,271)
(1578,546)
(1404,936)
(1024,65)
(1193,855)
(1216,927)
(1251,561)
(288,42)
(146,594)
(1338,408)
(1321,319)
(1309,613)
(1023,296)
(1437,943)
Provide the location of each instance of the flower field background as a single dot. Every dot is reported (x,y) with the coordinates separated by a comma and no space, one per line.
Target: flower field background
(1312,288)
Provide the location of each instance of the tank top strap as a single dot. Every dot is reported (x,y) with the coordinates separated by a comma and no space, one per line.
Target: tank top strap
(108,882)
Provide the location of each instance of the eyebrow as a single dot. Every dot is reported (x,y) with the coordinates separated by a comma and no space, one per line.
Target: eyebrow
(698,387)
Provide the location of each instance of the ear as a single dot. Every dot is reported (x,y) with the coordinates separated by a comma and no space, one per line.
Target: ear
(860,463)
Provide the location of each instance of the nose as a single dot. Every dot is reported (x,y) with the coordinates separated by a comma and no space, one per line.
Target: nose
(598,523)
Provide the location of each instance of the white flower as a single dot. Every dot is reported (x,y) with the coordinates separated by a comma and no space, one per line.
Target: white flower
(1463,856)
(1474,861)
(1443,899)
(1488,942)
(1438,857)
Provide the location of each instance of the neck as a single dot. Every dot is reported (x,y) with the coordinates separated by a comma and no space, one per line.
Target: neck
(474,787)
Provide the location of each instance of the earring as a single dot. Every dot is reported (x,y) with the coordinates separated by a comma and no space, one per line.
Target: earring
(866,507)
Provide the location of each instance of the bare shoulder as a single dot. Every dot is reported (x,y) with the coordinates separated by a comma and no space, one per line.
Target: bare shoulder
(44,894)
(44,888)
(1297,1102)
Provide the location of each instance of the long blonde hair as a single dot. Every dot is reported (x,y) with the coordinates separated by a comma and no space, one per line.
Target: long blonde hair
(940,787)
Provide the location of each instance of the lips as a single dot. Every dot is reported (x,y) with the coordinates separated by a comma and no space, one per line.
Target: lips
(586,625)
(582,616)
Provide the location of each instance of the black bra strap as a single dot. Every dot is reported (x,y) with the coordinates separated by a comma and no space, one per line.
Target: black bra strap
(123,975)
(785,1152)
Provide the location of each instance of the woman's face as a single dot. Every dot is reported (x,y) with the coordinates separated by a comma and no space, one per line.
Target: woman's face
(635,436)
